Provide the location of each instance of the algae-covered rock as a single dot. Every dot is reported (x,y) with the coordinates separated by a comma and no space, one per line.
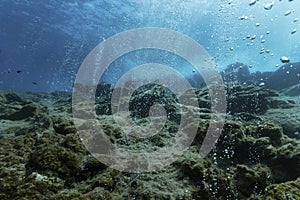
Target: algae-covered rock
(210,182)
(42,157)
(38,186)
(249,142)
(2,98)
(250,99)
(288,118)
(62,125)
(14,152)
(292,91)
(282,191)
(54,159)
(13,98)
(252,180)
(146,96)
(25,112)
(13,107)
(270,130)
(10,179)
(286,165)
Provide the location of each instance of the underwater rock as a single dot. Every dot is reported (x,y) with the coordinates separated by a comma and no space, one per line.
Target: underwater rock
(146,96)
(62,125)
(292,91)
(247,116)
(13,98)
(25,112)
(285,166)
(14,151)
(206,176)
(236,72)
(239,140)
(287,190)
(252,179)
(42,157)
(37,186)
(11,178)
(12,107)
(52,157)
(262,143)
(284,77)
(203,98)
(288,118)
(281,103)
(250,99)
(91,167)
(2,99)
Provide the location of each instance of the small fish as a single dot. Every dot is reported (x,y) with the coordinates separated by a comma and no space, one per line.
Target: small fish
(34,83)
(293,31)
(19,71)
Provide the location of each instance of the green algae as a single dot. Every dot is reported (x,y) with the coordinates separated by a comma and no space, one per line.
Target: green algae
(42,157)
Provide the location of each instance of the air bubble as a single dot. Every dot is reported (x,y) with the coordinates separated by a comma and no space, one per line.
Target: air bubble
(287,13)
(269,6)
(243,17)
(251,3)
(284,59)
(262,51)
(253,37)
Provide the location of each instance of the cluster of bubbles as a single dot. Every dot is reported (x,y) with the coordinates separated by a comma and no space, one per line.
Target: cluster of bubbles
(252,37)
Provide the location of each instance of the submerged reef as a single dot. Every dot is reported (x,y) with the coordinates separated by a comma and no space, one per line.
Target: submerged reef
(256,157)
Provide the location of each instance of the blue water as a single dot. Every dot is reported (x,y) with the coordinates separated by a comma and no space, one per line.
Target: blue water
(43,43)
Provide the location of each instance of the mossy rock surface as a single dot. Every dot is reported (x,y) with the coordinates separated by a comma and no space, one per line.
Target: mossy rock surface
(43,157)
(283,191)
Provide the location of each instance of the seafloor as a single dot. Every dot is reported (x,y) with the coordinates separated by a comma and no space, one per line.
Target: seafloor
(256,157)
